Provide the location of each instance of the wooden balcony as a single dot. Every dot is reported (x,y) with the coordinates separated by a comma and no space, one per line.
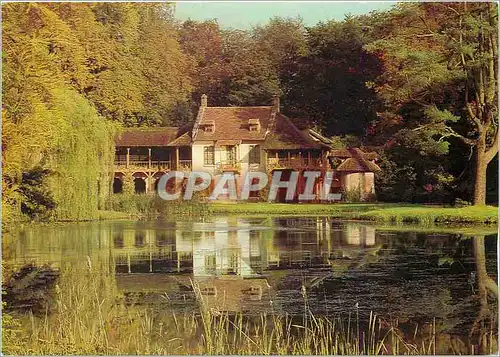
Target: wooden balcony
(184,165)
(299,163)
(228,166)
(155,165)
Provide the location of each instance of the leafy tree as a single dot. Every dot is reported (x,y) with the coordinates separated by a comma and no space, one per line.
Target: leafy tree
(253,80)
(284,42)
(229,68)
(165,68)
(440,78)
(329,88)
(137,73)
(51,135)
(36,198)
(203,43)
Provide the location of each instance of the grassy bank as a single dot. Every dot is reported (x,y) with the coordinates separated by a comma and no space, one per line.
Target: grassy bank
(429,215)
(380,212)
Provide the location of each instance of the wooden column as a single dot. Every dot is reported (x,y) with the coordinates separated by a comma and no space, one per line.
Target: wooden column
(150,261)
(149,158)
(176,157)
(128,157)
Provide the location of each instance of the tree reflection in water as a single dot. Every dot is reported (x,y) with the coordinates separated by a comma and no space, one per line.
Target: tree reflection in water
(487,289)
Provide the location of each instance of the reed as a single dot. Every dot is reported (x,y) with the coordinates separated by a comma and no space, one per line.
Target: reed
(152,206)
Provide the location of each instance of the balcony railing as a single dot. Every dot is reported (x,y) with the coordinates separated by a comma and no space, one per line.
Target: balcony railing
(228,166)
(293,163)
(143,165)
(184,165)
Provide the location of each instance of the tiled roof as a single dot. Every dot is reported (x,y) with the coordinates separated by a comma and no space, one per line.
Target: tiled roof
(183,140)
(183,137)
(341,153)
(132,137)
(231,123)
(358,161)
(220,143)
(353,152)
(285,135)
(318,137)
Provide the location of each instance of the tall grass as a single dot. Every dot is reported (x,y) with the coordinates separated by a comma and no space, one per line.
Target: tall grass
(89,317)
(152,206)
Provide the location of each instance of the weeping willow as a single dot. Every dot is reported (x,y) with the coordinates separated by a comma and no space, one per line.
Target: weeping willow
(77,157)
(82,159)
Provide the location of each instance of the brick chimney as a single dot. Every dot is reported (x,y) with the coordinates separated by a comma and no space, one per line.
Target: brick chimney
(276,103)
(204,100)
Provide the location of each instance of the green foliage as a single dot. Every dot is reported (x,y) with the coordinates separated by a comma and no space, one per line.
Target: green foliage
(83,161)
(152,206)
(345,141)
(35,196)
(419,80)
(138,74)
(383,212)
(47,125)
(431,215)
(439,83)
(228,65)
(128,185)
(353,195)
(408,176)
(335,71)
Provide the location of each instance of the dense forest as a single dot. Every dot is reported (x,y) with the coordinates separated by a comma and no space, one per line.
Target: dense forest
(417,83)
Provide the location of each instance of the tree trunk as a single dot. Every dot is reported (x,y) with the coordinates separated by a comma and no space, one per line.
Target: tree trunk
(480,176)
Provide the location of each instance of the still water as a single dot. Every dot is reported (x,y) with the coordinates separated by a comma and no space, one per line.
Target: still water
(275,265)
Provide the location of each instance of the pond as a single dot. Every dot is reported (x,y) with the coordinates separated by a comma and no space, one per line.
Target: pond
(298,267)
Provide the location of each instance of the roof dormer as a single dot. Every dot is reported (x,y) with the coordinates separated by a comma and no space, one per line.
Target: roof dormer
(209,126)
(254,125)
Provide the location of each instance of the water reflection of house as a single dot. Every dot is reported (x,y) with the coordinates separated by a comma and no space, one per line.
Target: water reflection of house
(223,249)
(234,294)
(205,249)
(235,246)
(216,294)
(360,235)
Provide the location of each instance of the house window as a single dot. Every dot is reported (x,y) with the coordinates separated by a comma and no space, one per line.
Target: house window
(254,154)
(210,264)
(208,155)
(230,151)
(254,125)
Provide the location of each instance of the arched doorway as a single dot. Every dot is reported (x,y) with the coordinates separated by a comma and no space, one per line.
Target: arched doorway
(117,185)
(139,185)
